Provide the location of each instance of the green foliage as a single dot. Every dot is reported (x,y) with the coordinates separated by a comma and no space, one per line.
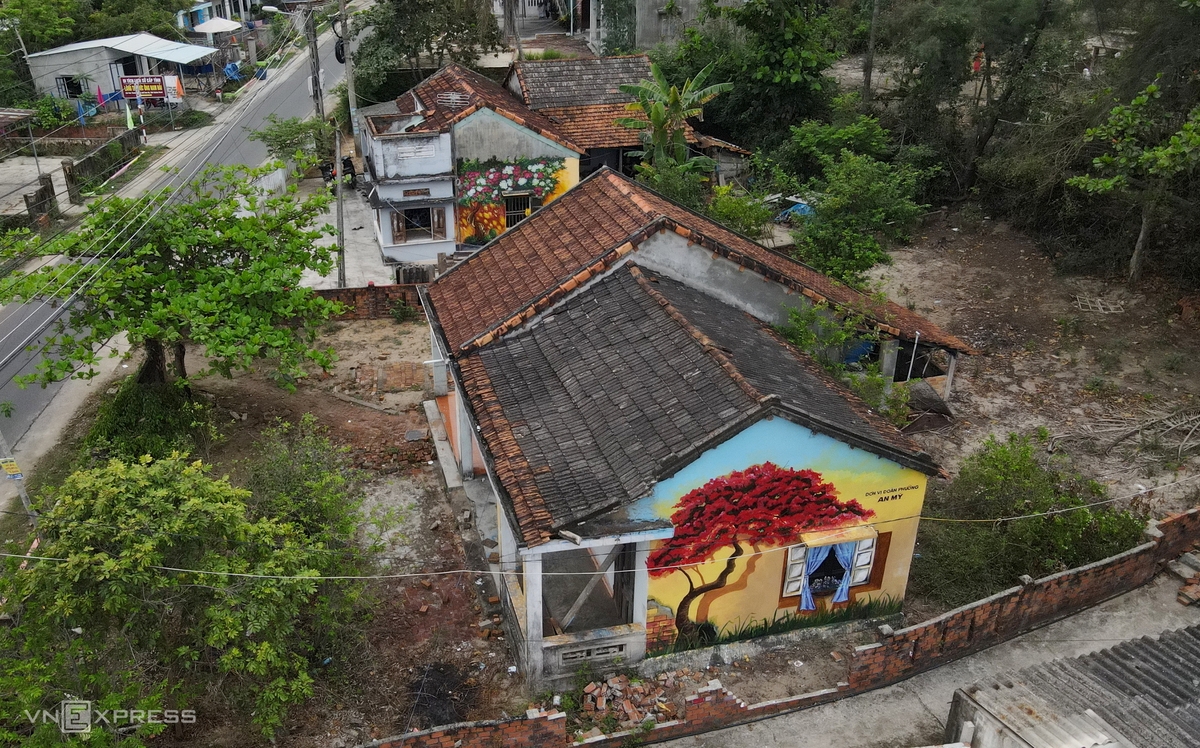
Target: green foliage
(753,629)
(112,624)
(620,26)
(684,183)
(406,33)
(403,313)
(744,214)
(827,335)
(665,110)
(958,562)
(297,139)
(51,113)
(549,54)
(219,269)
(150,419)
(773,52)
(859,203)
(813,141)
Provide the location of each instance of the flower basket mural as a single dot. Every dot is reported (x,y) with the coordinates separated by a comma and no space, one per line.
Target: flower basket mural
(762,506)
(483,186)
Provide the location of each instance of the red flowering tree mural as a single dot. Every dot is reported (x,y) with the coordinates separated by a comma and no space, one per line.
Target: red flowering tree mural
(763,504)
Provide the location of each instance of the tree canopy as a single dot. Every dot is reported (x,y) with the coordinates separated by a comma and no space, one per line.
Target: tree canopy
(117,621)
(220,269)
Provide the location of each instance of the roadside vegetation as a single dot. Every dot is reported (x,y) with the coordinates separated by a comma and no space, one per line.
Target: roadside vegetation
(1014,509)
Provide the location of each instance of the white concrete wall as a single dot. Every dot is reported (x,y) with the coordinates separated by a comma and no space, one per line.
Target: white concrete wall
(92,64)
(389,164)
(668,253)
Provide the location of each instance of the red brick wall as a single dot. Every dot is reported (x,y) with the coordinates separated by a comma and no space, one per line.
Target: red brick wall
(660,627)
(373,302)
(1012,612)
(896,657)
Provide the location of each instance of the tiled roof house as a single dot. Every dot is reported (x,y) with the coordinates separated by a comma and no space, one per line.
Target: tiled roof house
(614,358)
(583,98)
(458,125)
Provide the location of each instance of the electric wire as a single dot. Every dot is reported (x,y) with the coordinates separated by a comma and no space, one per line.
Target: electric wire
(418,575)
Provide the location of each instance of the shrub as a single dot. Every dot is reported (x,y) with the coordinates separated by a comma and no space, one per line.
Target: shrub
(959,562)
(743,213)
(403,313)
(150,419)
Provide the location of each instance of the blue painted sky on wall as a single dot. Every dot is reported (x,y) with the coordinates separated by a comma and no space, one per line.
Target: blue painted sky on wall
(852,471)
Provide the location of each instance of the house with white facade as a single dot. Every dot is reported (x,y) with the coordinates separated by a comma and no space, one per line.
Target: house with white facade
(458,161)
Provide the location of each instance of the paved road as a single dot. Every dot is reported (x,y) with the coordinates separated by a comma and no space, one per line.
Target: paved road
(285,97)
(18,322)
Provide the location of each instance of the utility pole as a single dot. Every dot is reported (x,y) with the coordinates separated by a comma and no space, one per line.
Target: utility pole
(341,228)
(314,58)
(10,467)
(353,100)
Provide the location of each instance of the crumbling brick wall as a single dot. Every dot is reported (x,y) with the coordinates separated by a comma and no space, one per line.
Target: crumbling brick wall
(373,302)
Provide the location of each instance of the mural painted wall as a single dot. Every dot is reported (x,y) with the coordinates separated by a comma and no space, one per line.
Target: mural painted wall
(483,186)
(741,505)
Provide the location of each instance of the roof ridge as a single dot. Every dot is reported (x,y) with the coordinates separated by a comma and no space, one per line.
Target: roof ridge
(710,347)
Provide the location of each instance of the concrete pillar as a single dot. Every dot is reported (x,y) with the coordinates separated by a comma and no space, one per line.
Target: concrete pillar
(533,618)
(641,582)
(464,434)
(440,387)
(950,375)
(889,351)
(508,540)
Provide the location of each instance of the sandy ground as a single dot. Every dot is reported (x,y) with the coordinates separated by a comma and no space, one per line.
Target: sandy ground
(1043,361)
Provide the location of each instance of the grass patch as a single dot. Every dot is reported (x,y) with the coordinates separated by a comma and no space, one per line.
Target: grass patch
(145,159)
(959,562)
(548,54)
(153,420)
(878,608)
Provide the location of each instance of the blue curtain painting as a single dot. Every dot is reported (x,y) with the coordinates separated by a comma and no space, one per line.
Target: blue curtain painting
(813,560)
(845,557)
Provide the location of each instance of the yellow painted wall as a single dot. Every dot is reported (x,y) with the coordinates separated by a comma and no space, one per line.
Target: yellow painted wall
(568,177)
(894,493)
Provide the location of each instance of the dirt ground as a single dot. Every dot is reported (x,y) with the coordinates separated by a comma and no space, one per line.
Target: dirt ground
(1044,361)
(423,657)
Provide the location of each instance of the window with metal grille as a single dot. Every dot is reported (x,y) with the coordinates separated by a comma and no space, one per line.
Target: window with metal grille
(69,87)
(519,207)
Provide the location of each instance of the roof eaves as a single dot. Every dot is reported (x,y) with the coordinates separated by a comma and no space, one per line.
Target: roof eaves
(533,536)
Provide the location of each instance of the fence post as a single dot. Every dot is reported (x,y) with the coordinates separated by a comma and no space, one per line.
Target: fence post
(68,167)
(49,200)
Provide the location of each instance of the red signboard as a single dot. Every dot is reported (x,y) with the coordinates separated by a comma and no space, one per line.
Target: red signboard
(143,86)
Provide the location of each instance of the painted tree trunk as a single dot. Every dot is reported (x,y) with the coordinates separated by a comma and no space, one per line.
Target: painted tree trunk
(683,621)
(1139,249)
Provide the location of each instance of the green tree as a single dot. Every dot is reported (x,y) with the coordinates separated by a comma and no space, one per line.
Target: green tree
(1147,148)
(219,269)
(114,621)
(665,110)
(286,139)
(422,34)
(773,52)
(42,23)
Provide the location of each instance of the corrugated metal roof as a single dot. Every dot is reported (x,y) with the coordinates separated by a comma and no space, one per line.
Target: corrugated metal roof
(1143,693)
(147,45)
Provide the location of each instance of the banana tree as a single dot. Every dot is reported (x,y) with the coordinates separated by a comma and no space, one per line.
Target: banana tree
(664,111)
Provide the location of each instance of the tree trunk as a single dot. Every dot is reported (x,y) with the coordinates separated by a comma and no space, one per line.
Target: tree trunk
(154,368)
(1139,249)
(181,368)
(683,622)
(869,60)
(987,128)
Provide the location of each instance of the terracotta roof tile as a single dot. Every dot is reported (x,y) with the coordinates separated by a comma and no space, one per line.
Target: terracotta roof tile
(628,381)
(578,81)
(525,268)
(454,93)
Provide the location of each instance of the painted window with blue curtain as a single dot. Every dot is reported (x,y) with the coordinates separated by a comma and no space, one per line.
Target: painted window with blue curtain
(817,571)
